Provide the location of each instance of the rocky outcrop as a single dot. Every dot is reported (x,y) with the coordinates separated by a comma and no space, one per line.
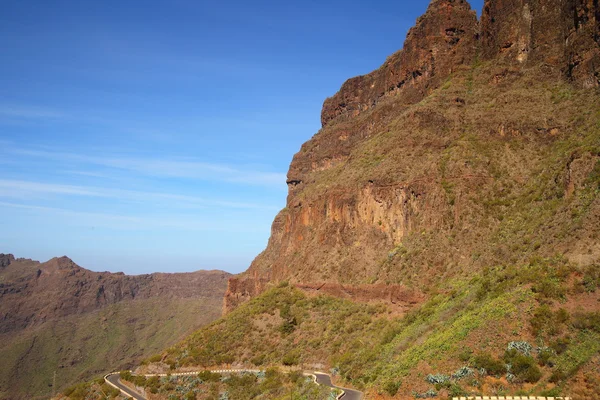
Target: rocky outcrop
(397,297)
(443,38)
(241,290)
(6,259)
(386,169)
(560,33)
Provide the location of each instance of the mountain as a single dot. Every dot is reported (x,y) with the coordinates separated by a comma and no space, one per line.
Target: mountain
(456,154)
(57,317)
(441,230)
(441,234)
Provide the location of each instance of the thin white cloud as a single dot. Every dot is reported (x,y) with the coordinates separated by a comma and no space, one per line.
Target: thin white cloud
(192,169)
(123,222)
(29,112)
(27,189)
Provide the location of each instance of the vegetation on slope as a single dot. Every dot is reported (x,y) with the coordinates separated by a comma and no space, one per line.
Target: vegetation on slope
(115,337)
(508,268)
(502,332)
(270,384)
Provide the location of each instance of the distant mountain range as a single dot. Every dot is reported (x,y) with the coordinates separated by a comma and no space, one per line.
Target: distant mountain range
(57,317)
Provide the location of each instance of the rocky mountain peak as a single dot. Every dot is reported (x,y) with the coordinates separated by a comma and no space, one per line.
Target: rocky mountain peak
(386,170)
(443,38)
(562,34)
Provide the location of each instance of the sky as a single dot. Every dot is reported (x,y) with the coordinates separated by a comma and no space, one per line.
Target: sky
(155,136)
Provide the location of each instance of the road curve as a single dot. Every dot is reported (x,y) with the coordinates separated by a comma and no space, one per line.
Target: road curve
(325,380)
(113,380)
(320,378)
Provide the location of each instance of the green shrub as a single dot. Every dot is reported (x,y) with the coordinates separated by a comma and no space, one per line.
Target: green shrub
(465,354)
(391,387)
(545,321)
(258,359)
(208,376)
(155,358)
(522,366)
(561,344)
(554,392)
(545,357)
(291,358)
(557,376)
(455,390)
(288,326)
(587,321)
(489,364)
(126,376)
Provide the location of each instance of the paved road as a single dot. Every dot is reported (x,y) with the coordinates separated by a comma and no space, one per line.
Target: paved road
(114,379)
(322,379)
(349,394)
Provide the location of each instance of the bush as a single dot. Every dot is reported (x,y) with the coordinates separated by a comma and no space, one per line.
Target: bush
(208,376)
(522,366)
(291,358)
(587,321)
(545,357)
(544,320)
(554,392)
(456,390)
(560,345)
(488,363)
(558,376)
(391,387)
(155,358)
(591,278)
(126,376)
(259,359)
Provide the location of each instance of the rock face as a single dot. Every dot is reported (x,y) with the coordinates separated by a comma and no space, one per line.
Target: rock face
(561,33)
(386,192)
(6,259)
(443,39)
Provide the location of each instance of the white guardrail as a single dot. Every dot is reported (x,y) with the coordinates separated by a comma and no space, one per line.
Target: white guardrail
(115,386)
(510,398)
(216,371)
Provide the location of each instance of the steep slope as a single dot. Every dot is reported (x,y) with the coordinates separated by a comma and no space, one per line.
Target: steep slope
(424,168)
(457,188)
(59,317)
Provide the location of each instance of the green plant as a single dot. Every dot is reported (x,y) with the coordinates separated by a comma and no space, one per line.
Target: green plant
(485,361)
(522,366)
(391,387)
(587,321)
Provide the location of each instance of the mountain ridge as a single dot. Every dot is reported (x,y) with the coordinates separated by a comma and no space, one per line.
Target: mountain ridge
(58,316)
(516,42)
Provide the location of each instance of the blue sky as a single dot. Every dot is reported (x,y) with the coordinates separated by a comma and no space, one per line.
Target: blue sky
(144,136)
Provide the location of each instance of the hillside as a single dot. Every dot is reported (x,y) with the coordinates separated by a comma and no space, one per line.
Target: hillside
(456,154)
(59,317)
(441,235)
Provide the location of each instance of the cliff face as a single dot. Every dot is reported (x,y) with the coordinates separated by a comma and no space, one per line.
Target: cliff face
(402,183)
(443,38)
(561,33)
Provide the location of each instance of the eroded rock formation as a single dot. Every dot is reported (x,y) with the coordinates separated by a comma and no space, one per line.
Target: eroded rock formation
(387,169)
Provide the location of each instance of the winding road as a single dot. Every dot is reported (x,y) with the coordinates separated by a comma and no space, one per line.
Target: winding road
(325,380)
(320,378)
(114,381)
